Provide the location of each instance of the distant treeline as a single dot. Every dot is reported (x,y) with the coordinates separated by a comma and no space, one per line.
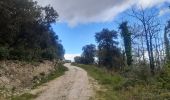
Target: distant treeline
(26,32)
(108,53)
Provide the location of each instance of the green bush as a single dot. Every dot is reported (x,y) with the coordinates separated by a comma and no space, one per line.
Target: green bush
(4,53)
(49,54)
(137,74)
(164,79)
(20,54)
(28,55)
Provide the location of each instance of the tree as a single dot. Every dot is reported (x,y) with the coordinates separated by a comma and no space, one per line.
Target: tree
(50,15)
(78,60)
(89,52)
(108,53)
(126,34)
(167,45)
(26,32)
(150,26)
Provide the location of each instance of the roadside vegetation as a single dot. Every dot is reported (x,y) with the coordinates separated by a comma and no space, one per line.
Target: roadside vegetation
(25,96)
(59,70)
(132,86)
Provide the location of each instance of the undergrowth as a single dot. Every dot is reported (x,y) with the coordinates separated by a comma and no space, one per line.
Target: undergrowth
(130,85)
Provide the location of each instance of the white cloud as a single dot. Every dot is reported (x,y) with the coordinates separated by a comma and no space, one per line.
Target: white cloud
(70,56)
(150,3)
(74,12)
(164,11)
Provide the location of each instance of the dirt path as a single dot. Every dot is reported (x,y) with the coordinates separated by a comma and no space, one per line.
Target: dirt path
(74,85)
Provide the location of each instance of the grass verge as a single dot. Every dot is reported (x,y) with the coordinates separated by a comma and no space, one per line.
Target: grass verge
(59,71)
(118,87)
(109,83)
(25,96)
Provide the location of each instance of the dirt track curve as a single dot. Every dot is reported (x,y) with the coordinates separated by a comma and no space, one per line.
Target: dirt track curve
(74,85)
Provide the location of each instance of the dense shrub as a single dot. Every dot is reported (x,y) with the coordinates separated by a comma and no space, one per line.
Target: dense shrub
(49,54)
(163,79)
(4,53)
(20,54)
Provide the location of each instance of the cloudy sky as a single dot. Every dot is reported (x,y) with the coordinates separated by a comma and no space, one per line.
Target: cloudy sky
(80,19)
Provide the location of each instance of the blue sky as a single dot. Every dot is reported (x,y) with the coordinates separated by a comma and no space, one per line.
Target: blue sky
(74,38)
(79,20)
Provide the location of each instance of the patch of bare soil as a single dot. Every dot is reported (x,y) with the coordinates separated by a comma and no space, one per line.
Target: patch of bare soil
(20,76)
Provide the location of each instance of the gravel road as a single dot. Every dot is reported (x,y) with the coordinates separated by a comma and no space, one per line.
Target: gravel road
(74,85)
